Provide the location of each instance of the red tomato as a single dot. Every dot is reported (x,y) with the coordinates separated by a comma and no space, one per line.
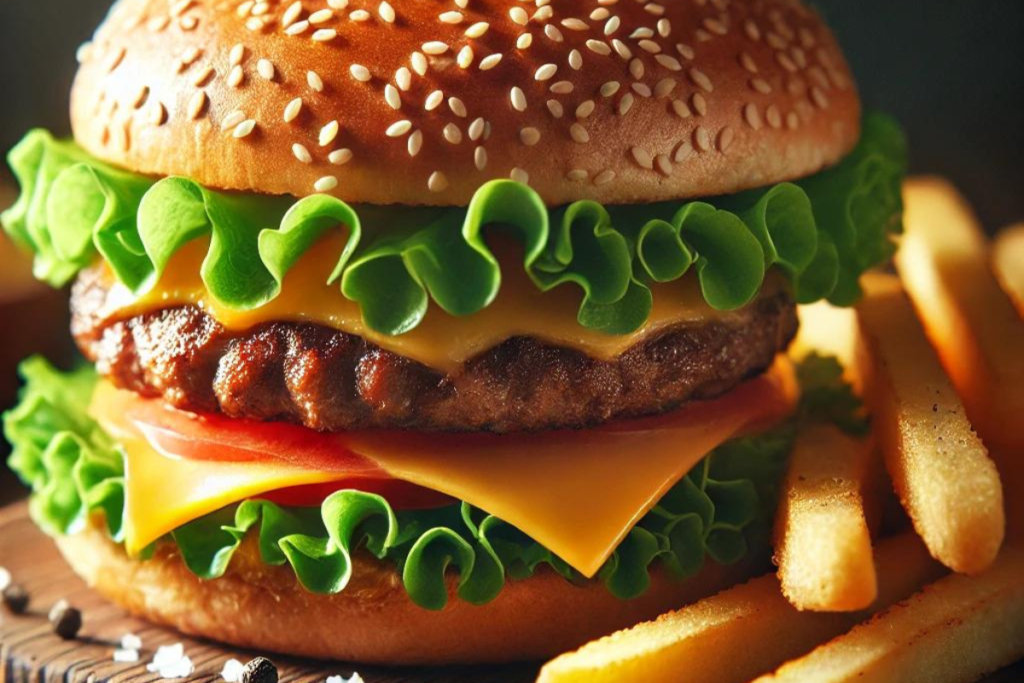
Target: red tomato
(191,436)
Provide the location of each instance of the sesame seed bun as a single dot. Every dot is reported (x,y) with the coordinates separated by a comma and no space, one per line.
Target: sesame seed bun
(420,103)
(373,621)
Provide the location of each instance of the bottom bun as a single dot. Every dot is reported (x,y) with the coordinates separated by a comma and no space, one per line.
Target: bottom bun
(373,621)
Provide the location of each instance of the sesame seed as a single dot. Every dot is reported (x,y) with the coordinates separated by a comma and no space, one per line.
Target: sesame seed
(664,87)
(235,77)
(518,98)
(452,134)
(203,76)
(324,35)
(681,109)
(604,177)
(773,116)
(403,77)
(545,72)
(337,4)
(636,69)
(774,40)
(244,129)
(654,8)
(297,29)
(190,56)
(761,86)
(328,133)
(157,114)
(642,157)
(321,16)
(543,13)
(480,158)
(524,41)
(562,87)
(314,81)
(819,97)
(600,14)
(725,139)
(529,136)
(340,157)
(552,32)
(519,15)
(599,47)
(642,89)
(398,128)
(265,69)
(520,176)
(556,108)
(792,121)
(752,116)
(715,26)
(302,154)
(433,100)
(457,106)
(625,104)
(576,60)
(786,62)
(415,143)
(291,15)
(476,129)
(612,25)
(664,28)
(325,184)
(748,63)
(576,175)
(649,46)
(699,104)
(669,62)
(683,152)
(579,133)
(702,139)
(419,63)
(574,24)
(391,96)
(386,12)
(663,164)
(434,47)
(232,119)
(751,29)
(437,182)
(451,17)
(490,61)
(622,49)
(465,57)
(700,79)
(359,15)
(585,109)
(196,104)
(610,88)
(140,97)
(360,73)
(685,51)
(292,110)
(642,32)
(477,30)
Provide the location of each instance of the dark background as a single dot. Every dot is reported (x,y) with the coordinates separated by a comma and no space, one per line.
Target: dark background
(952,71)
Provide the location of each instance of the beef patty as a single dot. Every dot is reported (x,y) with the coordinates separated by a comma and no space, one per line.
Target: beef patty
(330,380)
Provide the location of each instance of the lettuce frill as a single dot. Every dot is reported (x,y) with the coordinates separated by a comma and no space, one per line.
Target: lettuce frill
(76,471)
(822,232)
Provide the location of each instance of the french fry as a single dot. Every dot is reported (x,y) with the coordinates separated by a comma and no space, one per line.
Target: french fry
(939,467)
(827,330)
(958,629)
(737,634)
(823,547)
(944,264)
(1008,263)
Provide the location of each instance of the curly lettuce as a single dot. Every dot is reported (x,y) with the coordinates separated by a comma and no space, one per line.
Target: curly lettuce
(821,232)
(76,471)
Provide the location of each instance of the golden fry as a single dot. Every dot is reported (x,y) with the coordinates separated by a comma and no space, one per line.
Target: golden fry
(1008,263)
(737,634)
(944,264)
(958,629)
(823,547)
(939,467)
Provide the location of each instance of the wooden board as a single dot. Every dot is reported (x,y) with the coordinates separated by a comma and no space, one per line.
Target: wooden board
(30,652)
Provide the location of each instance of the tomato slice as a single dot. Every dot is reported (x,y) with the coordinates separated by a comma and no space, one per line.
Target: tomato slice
(191,436)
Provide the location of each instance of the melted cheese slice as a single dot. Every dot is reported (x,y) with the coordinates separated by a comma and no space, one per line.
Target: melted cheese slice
(576,492)
(441,341)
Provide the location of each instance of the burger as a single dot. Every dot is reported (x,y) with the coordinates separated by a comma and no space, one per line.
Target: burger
(438,332)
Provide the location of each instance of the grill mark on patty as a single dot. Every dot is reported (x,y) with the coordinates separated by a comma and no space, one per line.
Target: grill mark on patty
(330,380)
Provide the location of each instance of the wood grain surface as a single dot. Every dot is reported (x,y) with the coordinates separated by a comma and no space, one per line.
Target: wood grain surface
(30,652)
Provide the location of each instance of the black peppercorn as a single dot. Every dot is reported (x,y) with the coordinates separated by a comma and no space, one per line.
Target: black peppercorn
(65,619)
(259,670)
(16,598)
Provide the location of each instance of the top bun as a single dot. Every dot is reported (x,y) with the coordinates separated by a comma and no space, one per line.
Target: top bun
(422,101)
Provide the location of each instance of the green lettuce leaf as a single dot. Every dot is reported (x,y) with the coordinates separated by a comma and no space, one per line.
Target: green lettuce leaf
(76,470)
(821,232)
